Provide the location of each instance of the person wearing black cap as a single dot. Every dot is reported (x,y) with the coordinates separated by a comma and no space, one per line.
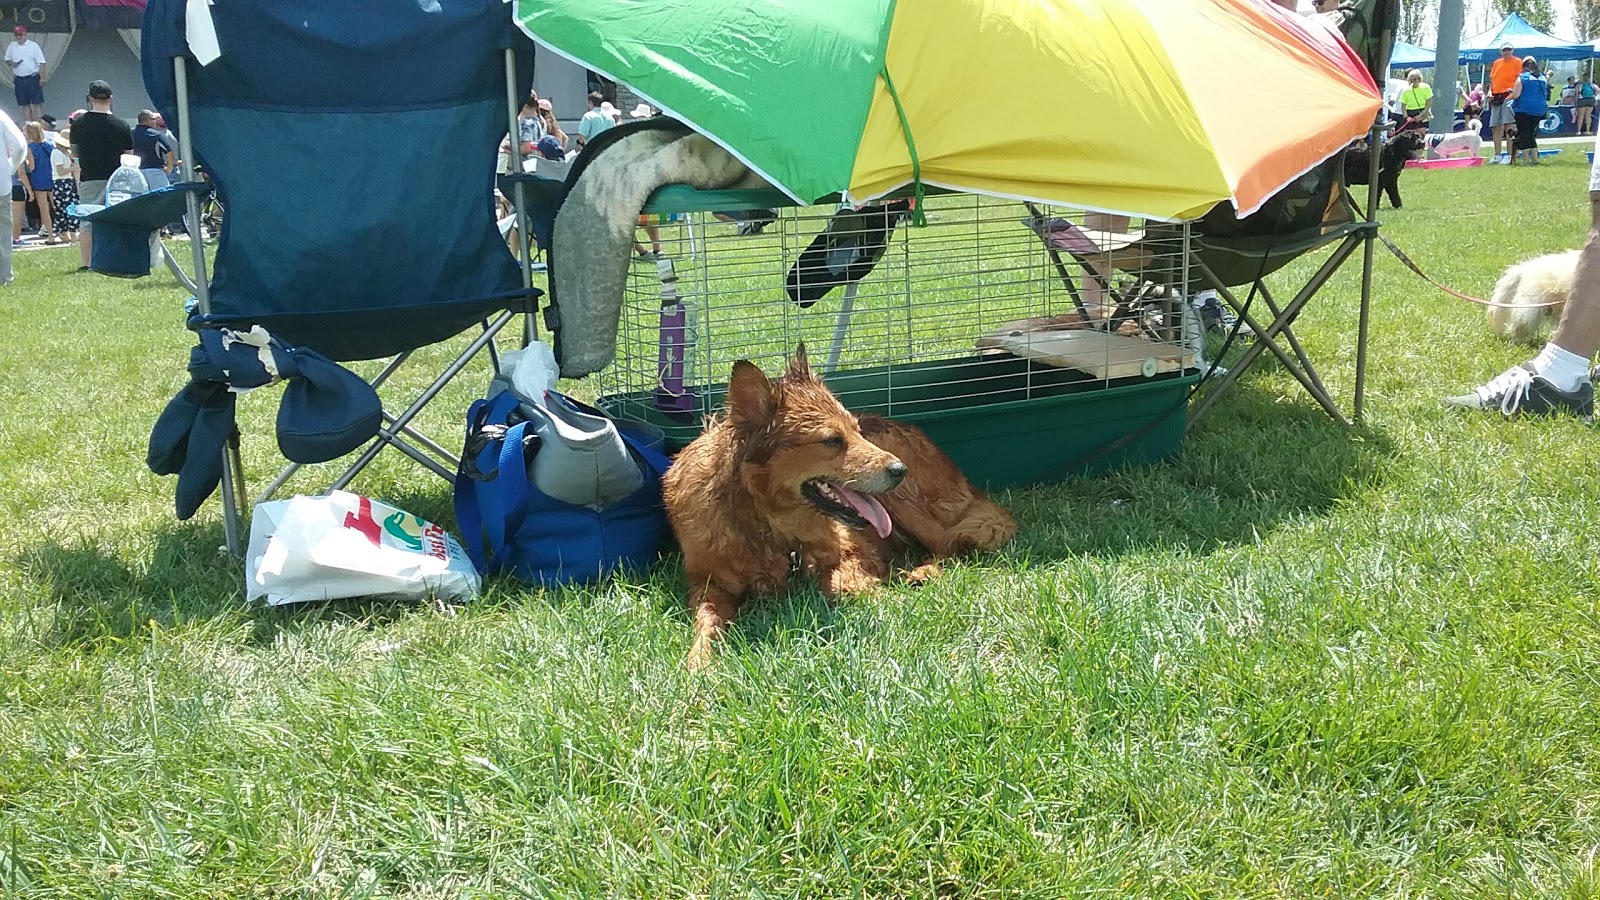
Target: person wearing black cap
(26,60)
(98,141)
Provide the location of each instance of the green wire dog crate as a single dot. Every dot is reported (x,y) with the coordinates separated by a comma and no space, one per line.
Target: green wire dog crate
(969,326)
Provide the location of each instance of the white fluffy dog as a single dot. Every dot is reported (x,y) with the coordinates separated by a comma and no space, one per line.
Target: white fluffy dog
(1529,292)
(1458,143)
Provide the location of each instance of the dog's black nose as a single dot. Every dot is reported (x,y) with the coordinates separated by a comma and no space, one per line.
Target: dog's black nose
(897,471)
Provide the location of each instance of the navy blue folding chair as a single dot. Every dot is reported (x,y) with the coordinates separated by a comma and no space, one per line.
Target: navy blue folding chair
(353,145)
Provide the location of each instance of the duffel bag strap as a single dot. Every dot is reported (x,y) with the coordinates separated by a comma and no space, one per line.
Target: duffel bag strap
(485,535)
(652,458)
(508,499)
(512,490)
(469,516)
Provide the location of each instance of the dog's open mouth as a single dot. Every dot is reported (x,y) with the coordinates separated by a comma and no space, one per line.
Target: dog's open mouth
(851,507)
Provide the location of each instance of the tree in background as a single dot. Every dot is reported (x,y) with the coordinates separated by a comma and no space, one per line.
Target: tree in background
(1538,12)
(1586,19)
(1416,20)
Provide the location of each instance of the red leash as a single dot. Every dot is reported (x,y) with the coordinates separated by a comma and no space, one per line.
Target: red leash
(1406,260)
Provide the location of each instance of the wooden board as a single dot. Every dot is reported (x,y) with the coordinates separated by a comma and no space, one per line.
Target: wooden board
(1097,353)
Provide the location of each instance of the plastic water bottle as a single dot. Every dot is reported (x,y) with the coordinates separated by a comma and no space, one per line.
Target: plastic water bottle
(127,181)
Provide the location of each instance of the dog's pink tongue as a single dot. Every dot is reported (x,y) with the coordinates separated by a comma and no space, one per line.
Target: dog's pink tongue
(869,508)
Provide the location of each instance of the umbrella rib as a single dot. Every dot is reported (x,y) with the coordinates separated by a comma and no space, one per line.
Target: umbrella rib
(917,217)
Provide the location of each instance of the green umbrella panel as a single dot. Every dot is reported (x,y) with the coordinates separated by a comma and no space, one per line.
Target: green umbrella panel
(784,85)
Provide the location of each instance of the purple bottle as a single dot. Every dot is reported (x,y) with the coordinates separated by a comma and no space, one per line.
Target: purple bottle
(673,396)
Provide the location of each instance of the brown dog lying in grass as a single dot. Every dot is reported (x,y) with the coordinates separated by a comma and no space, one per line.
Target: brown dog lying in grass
(790,472)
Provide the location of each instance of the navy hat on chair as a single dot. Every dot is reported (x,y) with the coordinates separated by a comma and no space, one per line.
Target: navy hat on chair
(550,148)
(326,410)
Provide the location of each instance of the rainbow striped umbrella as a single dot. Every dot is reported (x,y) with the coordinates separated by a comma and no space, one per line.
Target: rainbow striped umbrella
(1158,108)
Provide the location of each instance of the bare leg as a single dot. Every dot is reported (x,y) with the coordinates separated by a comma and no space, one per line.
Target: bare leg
(1499,133)
(1558,379)
(42,198)
(1579,329)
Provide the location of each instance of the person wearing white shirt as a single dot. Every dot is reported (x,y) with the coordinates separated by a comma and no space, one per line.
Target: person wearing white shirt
(64,191)
(16,150)
(26,60)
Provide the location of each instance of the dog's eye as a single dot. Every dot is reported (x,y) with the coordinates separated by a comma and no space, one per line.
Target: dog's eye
(833,442)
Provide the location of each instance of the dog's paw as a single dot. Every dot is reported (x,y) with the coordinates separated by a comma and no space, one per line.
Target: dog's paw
(924,573)
(849,580)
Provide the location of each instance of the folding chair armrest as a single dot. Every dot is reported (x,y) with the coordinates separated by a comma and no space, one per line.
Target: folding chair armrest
(122,233)
(150,210)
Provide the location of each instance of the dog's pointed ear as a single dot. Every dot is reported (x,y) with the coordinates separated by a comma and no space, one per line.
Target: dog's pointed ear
(752,400)
(799,366)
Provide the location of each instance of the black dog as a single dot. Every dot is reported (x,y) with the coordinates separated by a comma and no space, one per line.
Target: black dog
(1397,150)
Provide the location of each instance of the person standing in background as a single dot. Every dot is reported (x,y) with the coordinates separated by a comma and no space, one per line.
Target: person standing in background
(15,148)
(156,155)
(99,139)
(39,177)
(64,188)
(595,120)
(1471,102)
(26,59)
(1503,77)
(1530,103)
(1417,98)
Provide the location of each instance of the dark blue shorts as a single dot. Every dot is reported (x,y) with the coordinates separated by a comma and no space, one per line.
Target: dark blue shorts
(29,91)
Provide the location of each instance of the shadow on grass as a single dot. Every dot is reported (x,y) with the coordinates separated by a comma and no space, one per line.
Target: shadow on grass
(1252,465)
(189,579)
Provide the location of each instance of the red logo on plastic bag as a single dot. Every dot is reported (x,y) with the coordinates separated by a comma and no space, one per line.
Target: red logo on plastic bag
(361,520)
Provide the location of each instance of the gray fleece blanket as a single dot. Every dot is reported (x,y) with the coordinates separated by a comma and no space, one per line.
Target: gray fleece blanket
(594,231)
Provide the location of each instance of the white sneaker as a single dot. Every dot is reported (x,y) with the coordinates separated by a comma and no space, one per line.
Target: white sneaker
(1518,391)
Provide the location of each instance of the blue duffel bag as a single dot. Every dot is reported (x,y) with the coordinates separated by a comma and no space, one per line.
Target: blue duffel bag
(509,525)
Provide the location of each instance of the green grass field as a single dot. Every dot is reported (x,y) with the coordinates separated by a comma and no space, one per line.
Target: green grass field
(1297,661)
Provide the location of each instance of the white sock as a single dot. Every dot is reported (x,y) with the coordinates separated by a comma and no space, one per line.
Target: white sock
(1562,368)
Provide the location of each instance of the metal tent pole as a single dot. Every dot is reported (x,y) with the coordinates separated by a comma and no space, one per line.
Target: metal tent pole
(1445,62)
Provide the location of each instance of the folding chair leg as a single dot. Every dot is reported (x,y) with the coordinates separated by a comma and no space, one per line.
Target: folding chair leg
(439,452)
(177,270)
(1267,340)
(1267,337)
(494,350)
(388,436)
(1309,370)
(232,489)
(427,461)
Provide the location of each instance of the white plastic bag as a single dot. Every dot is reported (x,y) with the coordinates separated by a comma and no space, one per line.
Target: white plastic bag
(528,372)
(346,545)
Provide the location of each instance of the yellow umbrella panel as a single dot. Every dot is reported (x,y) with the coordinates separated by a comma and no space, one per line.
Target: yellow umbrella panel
(1157,108)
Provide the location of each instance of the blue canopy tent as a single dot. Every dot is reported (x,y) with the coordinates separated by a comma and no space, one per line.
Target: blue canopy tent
(1410,56)
(1484,48)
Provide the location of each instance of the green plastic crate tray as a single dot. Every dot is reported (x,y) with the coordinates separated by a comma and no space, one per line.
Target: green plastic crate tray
(1005,421)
